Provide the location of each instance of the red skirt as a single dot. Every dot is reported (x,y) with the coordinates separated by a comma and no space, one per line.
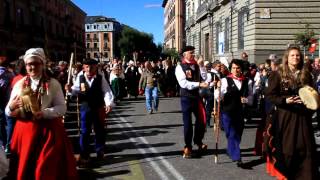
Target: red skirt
(41,151)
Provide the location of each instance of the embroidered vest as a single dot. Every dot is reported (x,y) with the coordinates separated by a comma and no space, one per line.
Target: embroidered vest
(232,99)
(192,73)
(92,95)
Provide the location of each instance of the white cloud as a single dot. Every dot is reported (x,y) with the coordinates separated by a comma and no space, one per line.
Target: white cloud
(152,5)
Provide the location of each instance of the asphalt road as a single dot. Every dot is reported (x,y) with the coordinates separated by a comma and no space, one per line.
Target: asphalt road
(141,146)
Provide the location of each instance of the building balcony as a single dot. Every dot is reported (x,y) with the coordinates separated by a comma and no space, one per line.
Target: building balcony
(224,2)
(93,49)
(207,6)
(214,5)
(203,9)
(95,40)
(190,21)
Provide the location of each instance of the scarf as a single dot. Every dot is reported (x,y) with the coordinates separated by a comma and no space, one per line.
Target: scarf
(192,61)
(241,78)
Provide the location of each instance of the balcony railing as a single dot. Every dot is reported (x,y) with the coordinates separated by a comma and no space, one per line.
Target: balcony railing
(92,49)
(190,21)
(223,2)
(207,6)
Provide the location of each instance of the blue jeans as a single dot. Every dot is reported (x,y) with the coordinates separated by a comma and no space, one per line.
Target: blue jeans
(151,93)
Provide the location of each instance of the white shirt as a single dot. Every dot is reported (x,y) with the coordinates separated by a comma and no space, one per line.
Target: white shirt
(108,95)
(184,83)
(224,86)
(52,102)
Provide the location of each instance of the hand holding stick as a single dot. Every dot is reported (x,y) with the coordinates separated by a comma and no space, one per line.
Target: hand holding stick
(216,115)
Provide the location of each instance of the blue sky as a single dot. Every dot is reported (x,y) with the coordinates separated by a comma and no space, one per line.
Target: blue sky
(144,15)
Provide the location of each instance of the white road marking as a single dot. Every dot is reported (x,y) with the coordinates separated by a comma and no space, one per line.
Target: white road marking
(142,151)
(156,167)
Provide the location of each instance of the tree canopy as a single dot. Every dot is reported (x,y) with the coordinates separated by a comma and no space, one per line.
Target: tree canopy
(132,40)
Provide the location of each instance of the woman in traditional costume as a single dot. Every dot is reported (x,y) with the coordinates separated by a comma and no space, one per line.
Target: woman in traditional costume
(40,147)
(291,142)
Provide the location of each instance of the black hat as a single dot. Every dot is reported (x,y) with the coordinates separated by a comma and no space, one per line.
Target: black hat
(90,62)
(187,48)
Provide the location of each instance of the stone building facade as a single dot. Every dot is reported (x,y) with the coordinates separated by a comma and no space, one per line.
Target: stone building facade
(55,25)
(174,34)
(225,28)
(101,35)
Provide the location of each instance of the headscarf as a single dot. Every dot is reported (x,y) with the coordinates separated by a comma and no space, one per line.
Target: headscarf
(35,52)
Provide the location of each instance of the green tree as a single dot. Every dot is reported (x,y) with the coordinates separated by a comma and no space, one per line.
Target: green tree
(171,53)
(132,40)
(304,38)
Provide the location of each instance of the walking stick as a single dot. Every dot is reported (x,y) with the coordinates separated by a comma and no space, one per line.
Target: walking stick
(69,73)
(218,127)
(216,116)
(68,81)
(78,116)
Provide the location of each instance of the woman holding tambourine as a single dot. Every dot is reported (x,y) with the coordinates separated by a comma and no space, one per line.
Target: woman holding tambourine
(290,140)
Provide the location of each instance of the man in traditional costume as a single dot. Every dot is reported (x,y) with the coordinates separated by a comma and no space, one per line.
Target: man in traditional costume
(96,100)
(188,76)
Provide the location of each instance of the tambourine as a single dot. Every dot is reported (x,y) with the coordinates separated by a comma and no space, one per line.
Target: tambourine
(29,104)
(309,97)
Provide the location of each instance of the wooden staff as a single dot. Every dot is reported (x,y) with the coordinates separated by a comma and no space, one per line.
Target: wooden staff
(78,116)
(70,69)
(217,126)
(68,81)
(216,116)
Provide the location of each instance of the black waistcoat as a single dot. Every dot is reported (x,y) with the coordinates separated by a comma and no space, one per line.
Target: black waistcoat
(232,99)
(92,95)
(192,73)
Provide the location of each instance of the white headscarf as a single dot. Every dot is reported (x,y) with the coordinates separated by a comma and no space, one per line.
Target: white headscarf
(35,52)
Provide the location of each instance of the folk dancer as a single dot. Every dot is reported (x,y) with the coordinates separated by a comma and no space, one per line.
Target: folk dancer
(96,100)
(188,75)
(236,90)
(40,148)
(292,148)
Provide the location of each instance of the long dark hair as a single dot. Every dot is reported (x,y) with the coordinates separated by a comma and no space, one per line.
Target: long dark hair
(303,78)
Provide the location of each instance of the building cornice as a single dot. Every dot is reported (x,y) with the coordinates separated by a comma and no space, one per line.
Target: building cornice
(164,3)
(76,7)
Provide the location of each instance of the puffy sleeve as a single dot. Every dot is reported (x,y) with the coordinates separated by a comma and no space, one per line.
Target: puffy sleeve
(182,80)
(57,107)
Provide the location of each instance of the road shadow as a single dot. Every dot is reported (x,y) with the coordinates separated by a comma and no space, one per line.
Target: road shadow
(132,129)
(90,174)
(253,163)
